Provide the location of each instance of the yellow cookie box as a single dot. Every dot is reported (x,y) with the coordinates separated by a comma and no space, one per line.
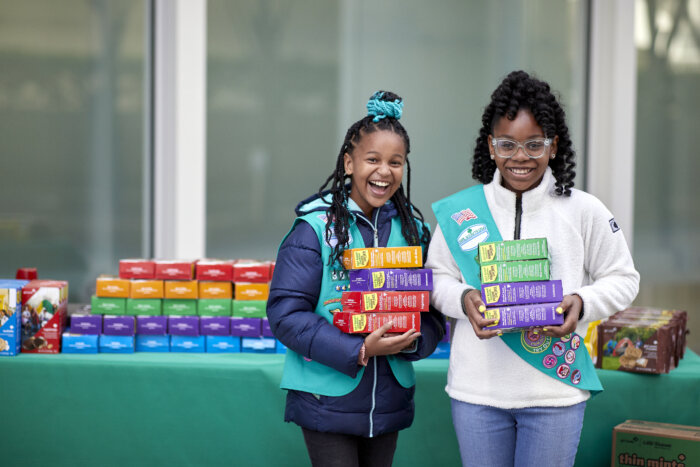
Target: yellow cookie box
(181,289)
(109,286)
(251,291)
(214,289)
(391,257)
(147,289)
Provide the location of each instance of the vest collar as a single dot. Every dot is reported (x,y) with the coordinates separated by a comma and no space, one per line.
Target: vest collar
(532,200)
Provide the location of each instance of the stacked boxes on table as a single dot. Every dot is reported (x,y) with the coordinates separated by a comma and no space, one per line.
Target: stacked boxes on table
(383,288)
(642,340)
(10,316)
(184,306)
(44,312)
(516,286)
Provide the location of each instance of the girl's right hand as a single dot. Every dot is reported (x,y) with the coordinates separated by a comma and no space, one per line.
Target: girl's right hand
(472,304)
(377,343)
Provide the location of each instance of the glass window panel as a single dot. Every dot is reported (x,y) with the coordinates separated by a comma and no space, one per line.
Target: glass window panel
(285,83)
(666,215)
(71,137)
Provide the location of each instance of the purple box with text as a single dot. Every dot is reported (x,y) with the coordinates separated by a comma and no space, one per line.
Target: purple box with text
(86,324)
(215,325)
(118,325)
(183,326)
(362,280)
(513,318)
(245,327)
(152,325)
(521,293)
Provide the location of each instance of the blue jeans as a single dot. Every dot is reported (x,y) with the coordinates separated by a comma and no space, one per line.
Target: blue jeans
(533,436)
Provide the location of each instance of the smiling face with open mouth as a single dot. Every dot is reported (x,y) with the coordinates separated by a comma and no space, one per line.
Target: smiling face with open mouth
(376,166)
(521,173)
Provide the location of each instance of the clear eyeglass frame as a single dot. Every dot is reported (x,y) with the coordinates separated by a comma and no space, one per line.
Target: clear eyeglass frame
(547,142)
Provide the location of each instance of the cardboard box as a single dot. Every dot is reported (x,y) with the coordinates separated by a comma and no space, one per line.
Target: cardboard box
(251,291)
(214,290)
(174,270)
(116,344)
(137,269)
(215,325)
(214,270)
(110,286)
(513,250)
(79,343)
(147,289)
(144,306)
(151,325)
(223,344)
(180,307)
(393,257)
(11,316)
(391,279)
(86,324)
(107,306)
(250,308)
(214,307)
(266,330)
(153,343)
(251,271)
(366,323)
(385,301)
(181,290)
(515,271)
(516,317)
(115,325)
(654,444)
(183,325)
(258,345)
(280,347)
(521,293)
(192,344)
(44,304)
(246,327)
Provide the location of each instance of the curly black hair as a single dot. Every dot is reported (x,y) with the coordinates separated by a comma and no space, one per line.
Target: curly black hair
(519,90)
(338,213)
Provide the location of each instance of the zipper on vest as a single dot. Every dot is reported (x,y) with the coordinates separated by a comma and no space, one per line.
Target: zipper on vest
(518,215)
(374,399)
(373,226)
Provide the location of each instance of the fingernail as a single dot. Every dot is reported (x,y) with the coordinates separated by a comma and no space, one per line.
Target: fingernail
(544,329)
(499,333)
(535,331)
(482,308)
(559,310)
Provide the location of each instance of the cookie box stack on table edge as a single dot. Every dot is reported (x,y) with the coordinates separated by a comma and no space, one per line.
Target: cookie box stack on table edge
(10,316)
(44,315)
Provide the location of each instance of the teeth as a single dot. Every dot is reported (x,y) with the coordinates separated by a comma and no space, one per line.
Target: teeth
(382,184)
(520,171)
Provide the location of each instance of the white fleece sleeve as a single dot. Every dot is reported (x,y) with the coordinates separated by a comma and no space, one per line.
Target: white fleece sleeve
(448,284)
(609,264)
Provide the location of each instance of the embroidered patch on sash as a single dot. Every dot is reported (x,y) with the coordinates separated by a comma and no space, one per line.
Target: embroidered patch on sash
(470,237)
(575,342)
(339,275)
(563,371)
(332,300)
(576,377)
(463,216)
(613,225)
(534,343)
(549,361)
(570,356)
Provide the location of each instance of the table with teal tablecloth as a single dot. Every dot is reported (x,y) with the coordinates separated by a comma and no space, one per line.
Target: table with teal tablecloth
(227,409)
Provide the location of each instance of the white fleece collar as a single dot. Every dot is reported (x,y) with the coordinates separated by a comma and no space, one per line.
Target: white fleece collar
(532,200)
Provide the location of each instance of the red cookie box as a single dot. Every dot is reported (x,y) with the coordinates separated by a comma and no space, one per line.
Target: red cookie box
(218,270)
(137,269)
(174,270)
(385,301)
(247,270)
(364,323)
(44,313)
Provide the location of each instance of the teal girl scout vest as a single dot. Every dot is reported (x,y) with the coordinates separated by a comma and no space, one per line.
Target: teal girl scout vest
(465,220)
(306,375)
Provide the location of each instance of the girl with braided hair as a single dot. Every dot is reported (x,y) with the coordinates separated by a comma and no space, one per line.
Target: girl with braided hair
(350,394)
(518,398)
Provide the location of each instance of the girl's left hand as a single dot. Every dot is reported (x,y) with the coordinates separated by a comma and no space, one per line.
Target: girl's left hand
(571,306)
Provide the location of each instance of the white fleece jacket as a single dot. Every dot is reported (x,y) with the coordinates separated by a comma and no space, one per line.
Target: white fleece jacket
(590,256)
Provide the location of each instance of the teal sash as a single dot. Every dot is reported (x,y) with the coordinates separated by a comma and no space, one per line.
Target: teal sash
(466,221)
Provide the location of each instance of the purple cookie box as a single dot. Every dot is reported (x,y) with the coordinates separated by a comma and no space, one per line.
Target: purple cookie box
(521,293)
(183,326)
(215,325)
(394,279)
(245,327)
(266,331)
(86,324)
(526,316)
(117,325)
(152,325)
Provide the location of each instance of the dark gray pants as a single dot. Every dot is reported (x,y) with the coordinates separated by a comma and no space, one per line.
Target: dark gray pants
(337,450)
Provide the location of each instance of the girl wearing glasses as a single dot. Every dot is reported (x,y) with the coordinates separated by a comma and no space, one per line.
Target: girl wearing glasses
(519,398)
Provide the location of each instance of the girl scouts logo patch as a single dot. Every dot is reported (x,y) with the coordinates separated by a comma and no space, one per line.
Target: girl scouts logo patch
(470,237)
(534,343)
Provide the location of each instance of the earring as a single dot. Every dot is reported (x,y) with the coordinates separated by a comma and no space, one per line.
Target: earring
(493,158)
(552,156)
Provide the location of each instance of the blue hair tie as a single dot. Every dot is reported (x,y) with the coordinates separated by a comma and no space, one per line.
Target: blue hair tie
(382,109)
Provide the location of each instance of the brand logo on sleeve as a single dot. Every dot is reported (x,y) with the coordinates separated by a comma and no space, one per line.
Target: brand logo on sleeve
(613,225)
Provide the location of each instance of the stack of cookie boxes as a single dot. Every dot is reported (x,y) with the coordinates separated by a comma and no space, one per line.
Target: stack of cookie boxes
(516,286)
(183,306)
(383,289)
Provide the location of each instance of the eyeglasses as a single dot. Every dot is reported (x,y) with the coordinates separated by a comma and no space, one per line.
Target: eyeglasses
(533,148)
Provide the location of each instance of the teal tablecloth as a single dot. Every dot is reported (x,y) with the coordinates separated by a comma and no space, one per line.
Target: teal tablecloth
(226,409)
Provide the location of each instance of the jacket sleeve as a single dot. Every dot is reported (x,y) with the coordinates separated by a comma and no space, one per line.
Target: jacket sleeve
(294,293)
(608,263)
(448,285)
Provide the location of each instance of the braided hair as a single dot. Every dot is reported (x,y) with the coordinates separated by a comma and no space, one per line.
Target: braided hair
(384,112)
(518,91)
